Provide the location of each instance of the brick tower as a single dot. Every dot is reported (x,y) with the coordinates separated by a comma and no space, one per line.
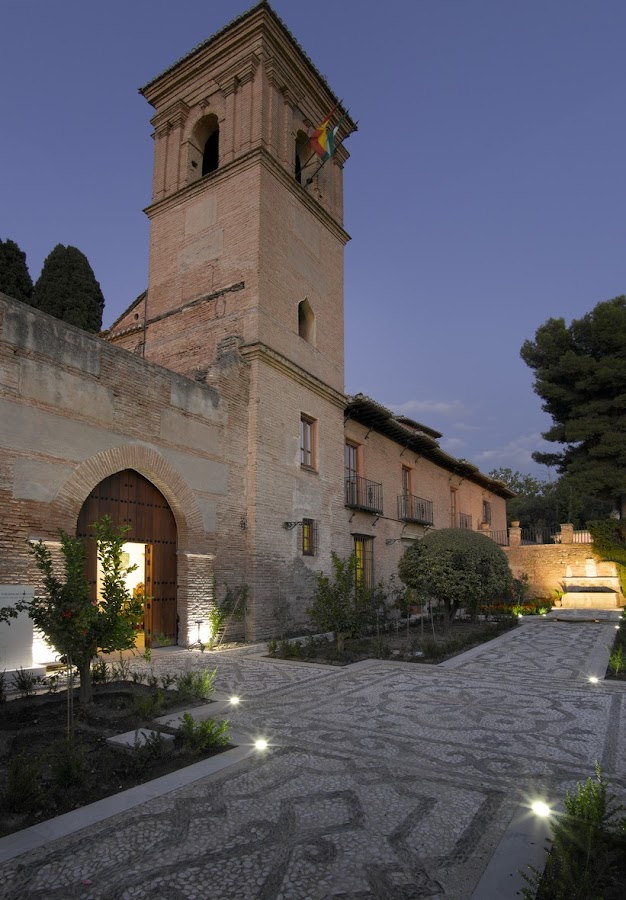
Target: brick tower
(245,287)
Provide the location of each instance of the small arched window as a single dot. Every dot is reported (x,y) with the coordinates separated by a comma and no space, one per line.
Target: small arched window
(306,321)
(211,155)
(302,157)
(204,148)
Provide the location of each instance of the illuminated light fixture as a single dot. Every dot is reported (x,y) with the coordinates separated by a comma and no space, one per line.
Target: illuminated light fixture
(541,809)
(593,679)
(520,615)
(234,700)
(260,744)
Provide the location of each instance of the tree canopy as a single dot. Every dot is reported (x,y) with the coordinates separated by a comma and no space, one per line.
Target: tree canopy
(546,503)
(15,280)
(458,567)
(67,289)
(580,374)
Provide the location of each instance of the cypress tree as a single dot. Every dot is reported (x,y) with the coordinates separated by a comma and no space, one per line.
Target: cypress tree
(67,288)
(15,280)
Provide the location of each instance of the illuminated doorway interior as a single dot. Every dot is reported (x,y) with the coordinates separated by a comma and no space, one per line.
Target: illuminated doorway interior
(133,554)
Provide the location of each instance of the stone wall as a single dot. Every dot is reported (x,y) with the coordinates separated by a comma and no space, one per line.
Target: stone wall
(75,409)
(546,564)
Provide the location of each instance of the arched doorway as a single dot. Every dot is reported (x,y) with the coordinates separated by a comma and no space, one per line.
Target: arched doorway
(131,500)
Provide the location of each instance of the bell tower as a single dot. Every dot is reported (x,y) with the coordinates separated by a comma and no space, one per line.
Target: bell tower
(247,235)
(245,290)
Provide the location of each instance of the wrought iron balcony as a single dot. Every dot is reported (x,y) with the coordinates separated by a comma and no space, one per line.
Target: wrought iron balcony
(465,521)
(364,494)
(415,509)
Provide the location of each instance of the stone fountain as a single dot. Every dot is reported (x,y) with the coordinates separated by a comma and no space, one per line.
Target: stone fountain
(594,586)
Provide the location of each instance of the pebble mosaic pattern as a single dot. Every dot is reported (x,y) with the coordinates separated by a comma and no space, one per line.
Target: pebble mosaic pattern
(384,781)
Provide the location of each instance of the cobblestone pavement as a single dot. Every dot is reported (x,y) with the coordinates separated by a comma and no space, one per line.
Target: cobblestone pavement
(384,781)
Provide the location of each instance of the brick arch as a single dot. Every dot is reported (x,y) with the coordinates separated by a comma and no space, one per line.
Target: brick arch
(68,502)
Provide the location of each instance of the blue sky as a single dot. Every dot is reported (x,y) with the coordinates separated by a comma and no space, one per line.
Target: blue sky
(484,194)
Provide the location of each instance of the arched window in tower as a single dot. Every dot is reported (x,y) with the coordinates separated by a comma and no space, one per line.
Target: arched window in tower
(306,321)
(204,148)
(211,155)
(302,156)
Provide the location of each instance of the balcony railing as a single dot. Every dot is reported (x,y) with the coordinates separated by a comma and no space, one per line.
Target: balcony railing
(465,521)
(364,494)
(415,509)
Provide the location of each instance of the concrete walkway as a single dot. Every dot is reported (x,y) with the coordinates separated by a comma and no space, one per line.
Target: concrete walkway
(383,781)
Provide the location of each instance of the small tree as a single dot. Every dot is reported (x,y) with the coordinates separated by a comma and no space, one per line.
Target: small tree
(67,289)
(340,604)
(76,625)
(458,567)
(15,280)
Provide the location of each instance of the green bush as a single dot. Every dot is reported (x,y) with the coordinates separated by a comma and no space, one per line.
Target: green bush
(458,567)
(196,685)
(341,604)
(200,737)
(149,705)
(25,682)
(582,848)
(23,790)
(67,762)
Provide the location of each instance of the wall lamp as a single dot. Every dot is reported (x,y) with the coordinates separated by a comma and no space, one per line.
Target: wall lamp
(289,525)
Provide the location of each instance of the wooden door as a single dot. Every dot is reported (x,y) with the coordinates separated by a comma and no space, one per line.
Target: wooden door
(134,502)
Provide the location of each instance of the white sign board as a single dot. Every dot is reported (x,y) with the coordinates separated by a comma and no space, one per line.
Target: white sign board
(16,638)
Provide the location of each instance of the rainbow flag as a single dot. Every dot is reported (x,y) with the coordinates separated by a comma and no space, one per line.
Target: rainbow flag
(322,140)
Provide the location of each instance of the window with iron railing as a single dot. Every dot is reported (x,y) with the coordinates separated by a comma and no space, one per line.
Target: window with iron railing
(465,521)
(364,555)
(415,509)
(309,537)
(364,494)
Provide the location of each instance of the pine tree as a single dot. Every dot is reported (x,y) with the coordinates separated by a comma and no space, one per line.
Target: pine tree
(67,289)
(15,280)
(580,374)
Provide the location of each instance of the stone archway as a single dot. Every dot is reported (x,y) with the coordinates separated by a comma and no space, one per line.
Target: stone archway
(133,502)
(195,553)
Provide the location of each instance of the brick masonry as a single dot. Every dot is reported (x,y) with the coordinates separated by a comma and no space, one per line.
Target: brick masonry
(201,384)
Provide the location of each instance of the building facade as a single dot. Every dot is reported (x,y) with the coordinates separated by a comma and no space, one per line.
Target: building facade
(221,386)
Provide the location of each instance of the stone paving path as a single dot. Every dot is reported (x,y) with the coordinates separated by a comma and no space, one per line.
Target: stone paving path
(384,781)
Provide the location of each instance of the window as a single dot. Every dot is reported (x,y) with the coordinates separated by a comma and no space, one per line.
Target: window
(211,154)
(364,555)
(453,522)
(302,156)
(351,473)
(487,512)
(352,461)
(406,481)
(306,321)
(309,537)
(204,148)
(308,434)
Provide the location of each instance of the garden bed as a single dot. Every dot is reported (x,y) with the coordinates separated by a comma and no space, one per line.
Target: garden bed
(417,645)
(42,775)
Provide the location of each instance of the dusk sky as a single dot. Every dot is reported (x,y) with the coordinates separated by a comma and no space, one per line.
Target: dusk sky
(484,193)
